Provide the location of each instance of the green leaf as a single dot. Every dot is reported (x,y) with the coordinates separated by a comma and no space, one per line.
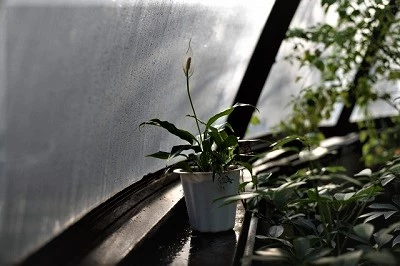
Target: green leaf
(283,241)
(383,206)
(333,169)
(365,172)
(305,223)
(371,215)
(319,64)
(280,143)
(160,155)
(223,126)
(389,213)
(274,254)
(347,259)
(347,178)
(288,185)
(382,238)
(246,165)
(230,141)
(182,165)
(234,198)
(178,149)
(381,258)
(364,230)
(276,230)
(255,120)
(344,196)
(318,253)
(225,113)
(327,2)
(387,179)
(216,137)
(396,241)
(301,246)
(183,134)
(243,185)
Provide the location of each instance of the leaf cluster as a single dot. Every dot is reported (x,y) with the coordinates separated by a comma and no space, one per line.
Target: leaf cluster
(361,50)
(321,216)
(215,150)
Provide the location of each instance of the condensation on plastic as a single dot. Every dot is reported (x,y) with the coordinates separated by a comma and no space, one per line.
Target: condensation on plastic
(76,80)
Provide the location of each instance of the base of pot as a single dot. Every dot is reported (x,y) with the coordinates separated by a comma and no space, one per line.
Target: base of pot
(205,214)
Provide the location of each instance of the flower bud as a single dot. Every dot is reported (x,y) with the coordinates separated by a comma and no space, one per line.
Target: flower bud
(187,62)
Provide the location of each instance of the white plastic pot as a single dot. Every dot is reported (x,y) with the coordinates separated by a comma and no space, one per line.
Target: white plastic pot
(200,191)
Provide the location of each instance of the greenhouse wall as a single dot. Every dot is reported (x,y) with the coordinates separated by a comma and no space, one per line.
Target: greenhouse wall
(76,80)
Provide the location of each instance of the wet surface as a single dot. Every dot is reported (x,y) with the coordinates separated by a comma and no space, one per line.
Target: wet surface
(177,244)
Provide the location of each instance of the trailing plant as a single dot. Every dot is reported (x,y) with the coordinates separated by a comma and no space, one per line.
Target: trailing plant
(361,50)
(213,148)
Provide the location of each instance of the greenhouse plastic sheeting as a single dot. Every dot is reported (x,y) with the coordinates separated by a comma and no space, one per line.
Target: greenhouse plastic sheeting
(76,80)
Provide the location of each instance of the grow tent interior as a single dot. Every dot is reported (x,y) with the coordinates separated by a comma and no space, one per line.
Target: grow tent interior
(78,77)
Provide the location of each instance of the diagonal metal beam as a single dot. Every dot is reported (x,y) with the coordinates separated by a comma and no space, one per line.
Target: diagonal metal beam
(260,64)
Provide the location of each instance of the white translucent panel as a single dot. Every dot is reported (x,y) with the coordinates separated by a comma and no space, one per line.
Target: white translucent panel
(281,85)
(76,80)
(380,108)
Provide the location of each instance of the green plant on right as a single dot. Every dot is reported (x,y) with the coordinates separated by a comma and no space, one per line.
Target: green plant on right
(321,216)
(351,57)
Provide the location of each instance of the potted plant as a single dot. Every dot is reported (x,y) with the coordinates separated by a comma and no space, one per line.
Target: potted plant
(212,165)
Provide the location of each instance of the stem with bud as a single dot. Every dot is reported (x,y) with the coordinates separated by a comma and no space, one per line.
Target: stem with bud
(186,71)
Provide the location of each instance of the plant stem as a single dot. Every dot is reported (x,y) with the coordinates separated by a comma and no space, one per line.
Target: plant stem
(194,112)
(353,223)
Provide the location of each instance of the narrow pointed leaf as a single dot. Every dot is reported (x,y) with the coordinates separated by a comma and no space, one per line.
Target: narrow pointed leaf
(383,206)
(178,149)
(283,241)
(183,134)
(371,216)
(242,196)
(347,259)
(225,113)
(386,179)
(396,241)
(388,214)
(160,155)
(280,143)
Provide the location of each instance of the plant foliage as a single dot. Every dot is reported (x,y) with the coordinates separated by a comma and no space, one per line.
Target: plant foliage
(361,50)
(214,148)
(321,216)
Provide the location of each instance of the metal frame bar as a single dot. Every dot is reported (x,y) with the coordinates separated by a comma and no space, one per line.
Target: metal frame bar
(260,64)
